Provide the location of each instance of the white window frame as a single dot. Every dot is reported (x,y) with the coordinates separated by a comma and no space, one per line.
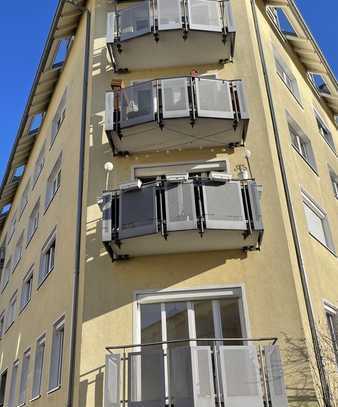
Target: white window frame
(51,241)
(18,252)
(179,167)
(24,198)
(12,227)
(322,215)
(5,276)
(334,181)
(38,375)
(11,316)
(287,77)
(53,182)
(27,298)
(57,327)
(59,118)
(33,221)
(13,385)
(333,312)
(188,295)
(39,164)
(24,377)
(319,120)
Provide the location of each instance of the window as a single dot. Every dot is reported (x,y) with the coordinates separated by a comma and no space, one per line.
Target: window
(38,367)
(317,222)
(325,132)
(58,118)
(24,377)
(12,228)
(47,259)
(332,323)
(18,252)
(3,382)
(55,372)
(196,314)
(40,162)
(334,181)
(11,312)
(287,77)
(54,181)
(35,123)
(2,325)
(61,52)
(5,275)
(33,221)
(24,199)
(319,83)
(12,389)
(26,292)
(302,144)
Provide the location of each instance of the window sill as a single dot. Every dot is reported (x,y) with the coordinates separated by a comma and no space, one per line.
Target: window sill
(45,278)
(294,96)
(306,161)
(50,202)
(16,266)
(54,389)
(31,238)
(22,309)
(323,244)
(35,398)
(8,328)
(21,404)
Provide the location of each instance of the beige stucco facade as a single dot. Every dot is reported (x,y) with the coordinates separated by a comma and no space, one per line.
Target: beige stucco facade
(272,291)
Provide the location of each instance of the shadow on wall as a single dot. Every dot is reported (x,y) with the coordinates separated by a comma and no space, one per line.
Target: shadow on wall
(97,382)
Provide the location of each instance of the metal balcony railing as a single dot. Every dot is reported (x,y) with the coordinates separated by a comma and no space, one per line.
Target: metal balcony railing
(187,98)
(195,206)
(196,373)
(162,17)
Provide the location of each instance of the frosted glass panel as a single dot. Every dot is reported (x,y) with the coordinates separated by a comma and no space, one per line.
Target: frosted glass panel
(315,224)
(169,14)
(205,15)
(134,21)
(175,98)
(213,98)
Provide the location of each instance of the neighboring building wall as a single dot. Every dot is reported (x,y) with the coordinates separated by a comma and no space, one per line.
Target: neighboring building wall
(53,298)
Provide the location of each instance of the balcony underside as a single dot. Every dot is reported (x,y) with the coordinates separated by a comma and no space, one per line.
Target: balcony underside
(179,134)
(172,50)
(188,241)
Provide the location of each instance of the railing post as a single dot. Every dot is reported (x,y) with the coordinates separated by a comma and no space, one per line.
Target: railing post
(124,377)
(217,374)
(193,108)
(185,17)
(265,388)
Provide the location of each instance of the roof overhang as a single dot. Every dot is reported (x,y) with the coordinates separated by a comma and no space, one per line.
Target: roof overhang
(64,24)
(307,50)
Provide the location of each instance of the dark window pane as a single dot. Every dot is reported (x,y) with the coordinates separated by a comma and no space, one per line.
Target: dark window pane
(204,320)
(177,321)
(151,328)
(230,319)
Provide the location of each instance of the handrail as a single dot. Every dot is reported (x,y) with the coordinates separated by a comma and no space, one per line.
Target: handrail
(131,346)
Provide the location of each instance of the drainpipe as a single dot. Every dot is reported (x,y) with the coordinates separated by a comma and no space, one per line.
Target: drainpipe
(307,297)
(80,188)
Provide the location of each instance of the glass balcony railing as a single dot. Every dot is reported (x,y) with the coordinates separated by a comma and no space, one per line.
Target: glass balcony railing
(171,216)
(155,28)
(207,112)
(196,373)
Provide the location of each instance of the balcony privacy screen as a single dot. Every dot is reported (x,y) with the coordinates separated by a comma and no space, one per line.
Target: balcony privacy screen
(214,98)
(180,206)
(146,379)
(134,21)
(175,99)
(205,15)
(169,14)
(240,377)
(137,104)
(138,212)
(223,206)
(275,376)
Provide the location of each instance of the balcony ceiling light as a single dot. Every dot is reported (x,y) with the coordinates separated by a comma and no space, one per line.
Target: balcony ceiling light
(220,176)
(129,186)
(177,177)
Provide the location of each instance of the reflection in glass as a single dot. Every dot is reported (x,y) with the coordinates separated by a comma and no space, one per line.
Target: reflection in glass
(204,321)
(231,320)
(151,328)
(177,321)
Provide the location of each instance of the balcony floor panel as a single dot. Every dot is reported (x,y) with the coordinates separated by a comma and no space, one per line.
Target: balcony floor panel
(187,241)
(201,47)
(179,134)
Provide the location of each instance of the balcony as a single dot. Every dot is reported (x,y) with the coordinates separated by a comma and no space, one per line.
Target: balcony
(166,33)
(190,373)
(199,214)
(176,113)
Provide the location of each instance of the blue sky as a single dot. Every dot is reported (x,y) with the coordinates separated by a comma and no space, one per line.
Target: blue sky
(24,28)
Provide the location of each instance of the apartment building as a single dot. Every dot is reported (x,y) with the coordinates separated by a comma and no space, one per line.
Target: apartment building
(169,211)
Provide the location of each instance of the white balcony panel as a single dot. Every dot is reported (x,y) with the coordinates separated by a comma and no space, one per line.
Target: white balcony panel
(169,14)
(275,376)
(112,381)
(109,111)
(214,99)
(205,15)
(203,377)
(224,206)
(134,21)
(175,98)
(240,376)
